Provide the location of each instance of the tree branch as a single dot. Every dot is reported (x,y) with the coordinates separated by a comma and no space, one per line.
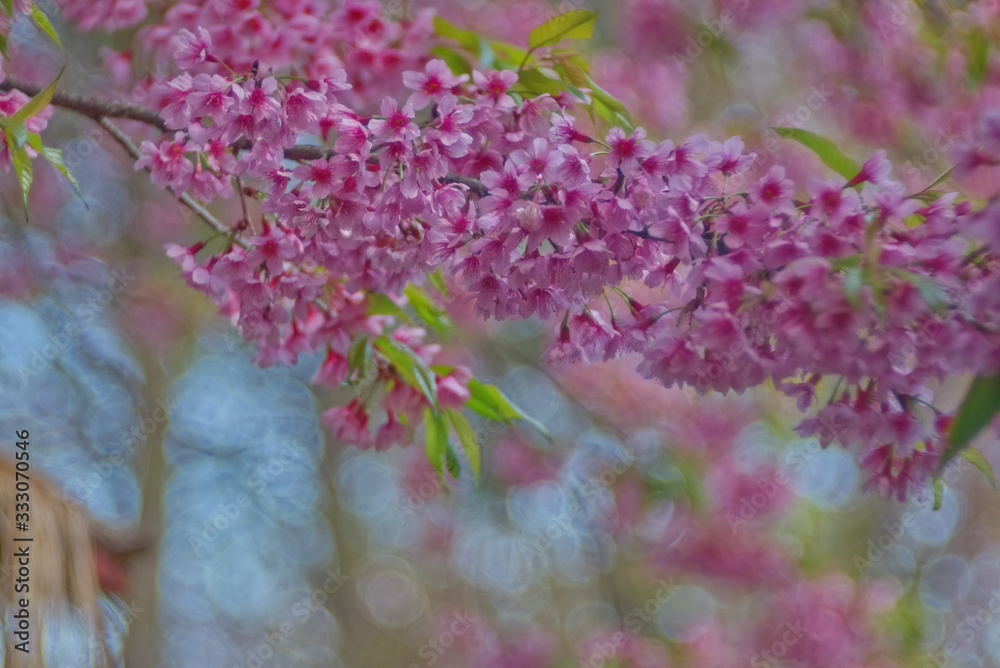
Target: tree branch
(186,199)
(98,110)
(88,106)
(475,185)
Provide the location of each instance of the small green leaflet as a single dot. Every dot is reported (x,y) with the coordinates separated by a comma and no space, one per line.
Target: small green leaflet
(18,130)
(436,278)
(381,304)
(42,21)
(466,38)
(824,148)
(930,290)
(608,107)
(938,493)
(436,432)
(359,356)
(575,24)
(409,365)
(55,158)
(853,282)
(22,168)
(491,403)
(978,58)
(467,437)
(455,61)
(534,82)
(431,314)
(980,405)
(978,459)
(36,104)
(451,462)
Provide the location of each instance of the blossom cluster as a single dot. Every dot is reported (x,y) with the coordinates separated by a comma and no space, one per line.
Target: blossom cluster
(347,193)
(533,216)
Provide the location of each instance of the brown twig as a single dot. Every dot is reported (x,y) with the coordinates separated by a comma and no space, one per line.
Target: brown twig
(88,106)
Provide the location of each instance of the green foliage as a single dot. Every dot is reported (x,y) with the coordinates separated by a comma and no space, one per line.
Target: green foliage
(978,459)
(490,402)
(18,138)
(575,24)
(42,21)
(380,304)
(824,148)
(430,313)
(410,367)
(436,433)
(467,437)
(562,71)
(980,405)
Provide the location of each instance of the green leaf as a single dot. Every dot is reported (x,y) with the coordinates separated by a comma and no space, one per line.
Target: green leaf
(55,158)
(575,24)
(451,462)
(466,38)
(36,104)
(409,365)
(427,310)
(455,61)
(824,148)
(930,290)
(3,46)
(436,278)
(938,493)
(508,53)
(8,8)
(491,403)
(467,437)
(853,282)
(846,262)
(608,107)
(22,168)
(978,57)
(18,131)
(359,356)
(381,304)
(980,405)
(978,459)
(436,433)
(944,176)
(42,21)
(535,82)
